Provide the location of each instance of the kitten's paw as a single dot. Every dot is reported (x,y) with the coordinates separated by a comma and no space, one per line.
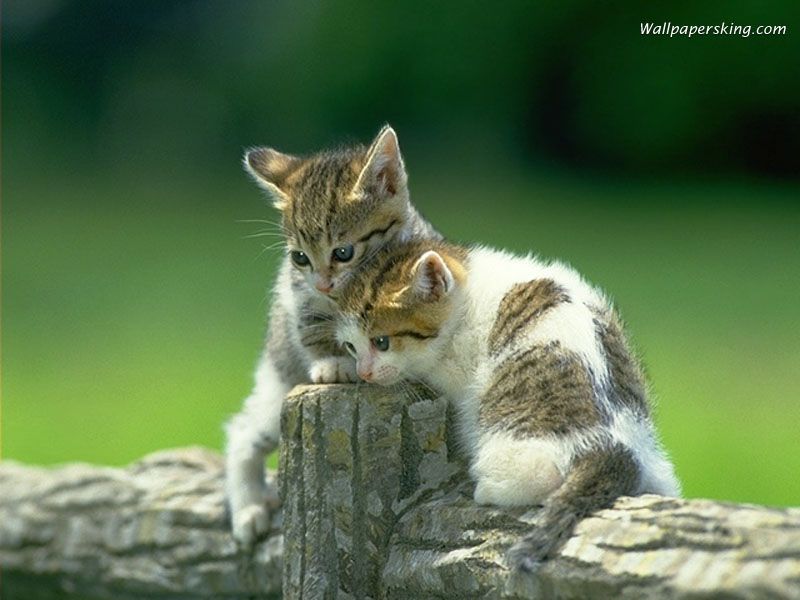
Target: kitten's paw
(250,523)
(333,369)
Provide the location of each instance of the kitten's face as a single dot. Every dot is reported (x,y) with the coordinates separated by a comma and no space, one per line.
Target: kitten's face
(338,207)
(327,243)
(394,313)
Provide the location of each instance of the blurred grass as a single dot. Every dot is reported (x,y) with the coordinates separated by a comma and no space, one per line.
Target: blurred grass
(134,324)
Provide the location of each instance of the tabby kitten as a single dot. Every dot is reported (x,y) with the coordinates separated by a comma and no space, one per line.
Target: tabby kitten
(551,404)
(337,209)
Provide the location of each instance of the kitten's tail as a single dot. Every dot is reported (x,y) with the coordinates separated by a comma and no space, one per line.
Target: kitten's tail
(596,479)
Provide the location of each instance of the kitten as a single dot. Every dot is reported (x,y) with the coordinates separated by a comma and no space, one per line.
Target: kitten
(337,209)
(551,404)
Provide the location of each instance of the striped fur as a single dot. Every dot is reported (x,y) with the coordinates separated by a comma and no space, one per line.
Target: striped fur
(557,390)
(354,196)
(552,404)
(521,305)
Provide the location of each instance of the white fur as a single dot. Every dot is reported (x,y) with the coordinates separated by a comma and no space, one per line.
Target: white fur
(658,473)
(333,369)
(510,471)
(347,330)
(519,472)
(514,472)
(252,434)
(491,274)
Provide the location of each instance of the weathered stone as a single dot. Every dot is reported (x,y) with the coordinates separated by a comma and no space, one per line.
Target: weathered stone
(395,519)
(377,504)
(353,459)
(156,529)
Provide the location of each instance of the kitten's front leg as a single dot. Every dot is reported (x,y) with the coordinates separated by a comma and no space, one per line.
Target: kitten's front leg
(251,435)
(333,369)
(327,362)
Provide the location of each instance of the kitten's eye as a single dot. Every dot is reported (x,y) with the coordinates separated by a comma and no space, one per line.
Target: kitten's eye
(381,343)
(299,258)
(343,254)
(350,348)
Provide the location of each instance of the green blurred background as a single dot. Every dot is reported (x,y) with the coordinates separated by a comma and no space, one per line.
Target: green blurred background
(667,170)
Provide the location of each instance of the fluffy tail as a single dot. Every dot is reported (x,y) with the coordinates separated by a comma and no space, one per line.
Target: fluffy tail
(596,479)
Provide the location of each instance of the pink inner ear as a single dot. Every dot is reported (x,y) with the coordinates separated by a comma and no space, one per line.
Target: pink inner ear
(433,279)
(386,180)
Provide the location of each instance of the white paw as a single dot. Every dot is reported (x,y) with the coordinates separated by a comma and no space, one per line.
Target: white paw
(333,369)
(250,523)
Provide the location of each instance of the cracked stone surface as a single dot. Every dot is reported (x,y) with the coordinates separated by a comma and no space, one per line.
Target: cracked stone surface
(155,529)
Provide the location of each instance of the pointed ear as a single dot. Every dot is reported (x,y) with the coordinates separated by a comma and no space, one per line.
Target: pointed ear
(383,173)
(270,169)
(432,278)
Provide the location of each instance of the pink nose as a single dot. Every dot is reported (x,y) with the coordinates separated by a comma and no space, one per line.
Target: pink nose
(324,286)
(364,373)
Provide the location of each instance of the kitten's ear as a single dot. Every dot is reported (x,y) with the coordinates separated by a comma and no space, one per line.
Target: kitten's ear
(270,169)
(384,173)
(432,278)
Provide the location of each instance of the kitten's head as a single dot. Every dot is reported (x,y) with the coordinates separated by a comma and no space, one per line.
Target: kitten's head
(338,207)
(395,315)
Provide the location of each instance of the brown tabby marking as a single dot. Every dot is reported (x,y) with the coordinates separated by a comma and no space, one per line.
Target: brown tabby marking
(317,332)
(545,389)
(523,304)
(319,192)
(626,378)
(602,473)
(596,479)
(382,298)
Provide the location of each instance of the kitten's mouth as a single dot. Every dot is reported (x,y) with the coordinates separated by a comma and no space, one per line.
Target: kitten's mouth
(386,379)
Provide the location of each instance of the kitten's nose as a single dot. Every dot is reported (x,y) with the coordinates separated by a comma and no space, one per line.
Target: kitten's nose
(364,373)
(323,285)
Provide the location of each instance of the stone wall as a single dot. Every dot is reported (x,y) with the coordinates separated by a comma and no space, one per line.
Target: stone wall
(376,505)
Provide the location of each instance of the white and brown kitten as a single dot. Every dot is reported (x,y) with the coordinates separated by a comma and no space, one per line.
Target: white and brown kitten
(552,404)
(337,209)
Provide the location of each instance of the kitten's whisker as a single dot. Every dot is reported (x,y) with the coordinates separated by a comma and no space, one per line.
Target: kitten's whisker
(274,229)
(258,221)
(371,255)
(314,323)
(264,249)
(273,246)
(317,317)
(306,322)
(412,384)
(265,221)
(315,329)
(408,389)
(329,325)
(264,234)
(423,384)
